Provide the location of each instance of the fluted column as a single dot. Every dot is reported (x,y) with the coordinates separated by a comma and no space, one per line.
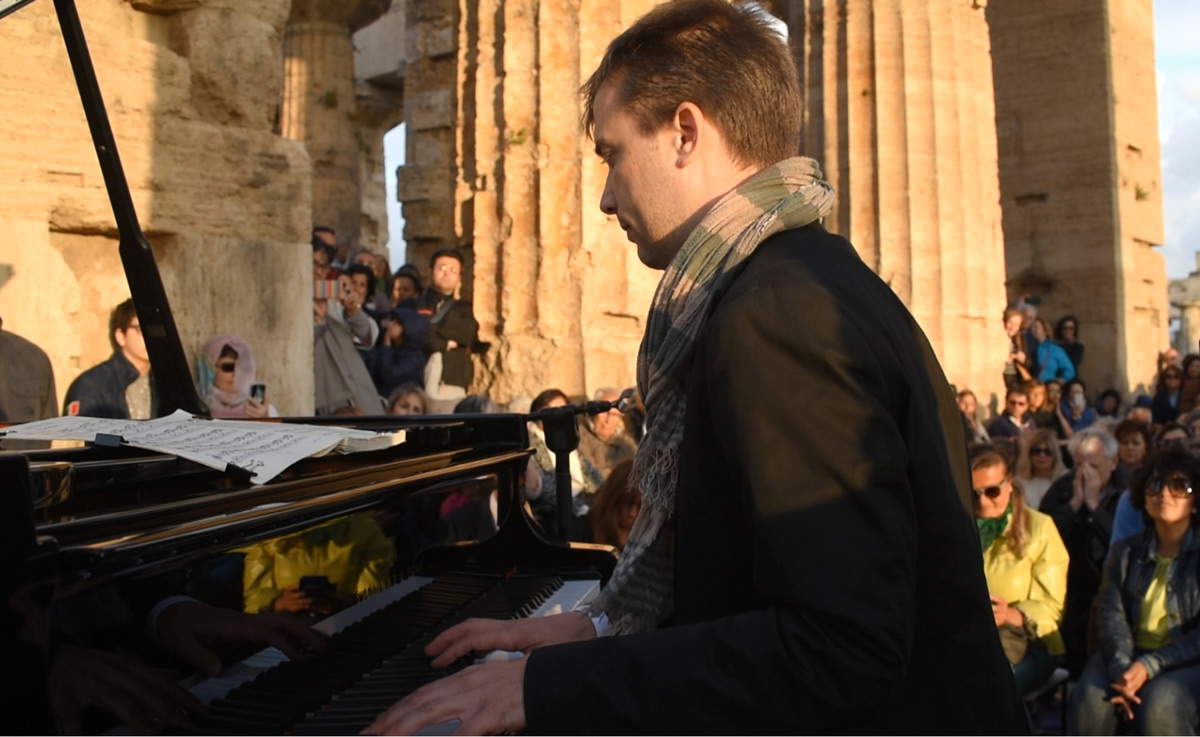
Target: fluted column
(898,111)
(318,105)
(558,290)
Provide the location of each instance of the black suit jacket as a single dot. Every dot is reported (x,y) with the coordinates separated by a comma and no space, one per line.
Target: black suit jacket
(828,576)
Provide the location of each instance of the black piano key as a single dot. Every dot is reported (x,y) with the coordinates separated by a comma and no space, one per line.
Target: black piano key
(396,677)
(284,694)
(372,663)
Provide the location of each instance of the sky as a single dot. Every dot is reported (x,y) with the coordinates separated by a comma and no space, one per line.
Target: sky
(393,156)
(1177,60)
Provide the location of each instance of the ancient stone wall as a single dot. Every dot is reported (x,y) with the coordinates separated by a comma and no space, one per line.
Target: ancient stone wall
(898,110)
(493,114)
(192,88)
(1079,164)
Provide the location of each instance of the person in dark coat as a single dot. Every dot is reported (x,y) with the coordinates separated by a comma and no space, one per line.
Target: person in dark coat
(1066,334)
(1083,504)
(399,356)
(812,564)
(120,388)
(453,332)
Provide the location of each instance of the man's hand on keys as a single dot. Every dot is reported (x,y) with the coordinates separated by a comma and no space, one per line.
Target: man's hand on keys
(484,635)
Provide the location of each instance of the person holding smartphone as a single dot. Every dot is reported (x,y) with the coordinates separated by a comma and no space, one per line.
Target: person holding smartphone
(226,371)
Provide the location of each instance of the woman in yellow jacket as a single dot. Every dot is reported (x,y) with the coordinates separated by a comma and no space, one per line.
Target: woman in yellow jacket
(1025,563)
(351,552)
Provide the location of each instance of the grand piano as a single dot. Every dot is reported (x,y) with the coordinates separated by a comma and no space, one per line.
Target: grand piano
(397,544)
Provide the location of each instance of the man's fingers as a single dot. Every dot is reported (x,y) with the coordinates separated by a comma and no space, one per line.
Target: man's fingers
(451,635)
(474,635)
(410,715)
(130,710)
(190,651)
(300,633)
(292,644)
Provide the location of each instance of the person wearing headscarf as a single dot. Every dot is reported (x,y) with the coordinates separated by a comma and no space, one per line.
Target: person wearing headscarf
(225,371)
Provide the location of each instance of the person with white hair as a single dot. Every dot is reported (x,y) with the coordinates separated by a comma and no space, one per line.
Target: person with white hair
(1083,504)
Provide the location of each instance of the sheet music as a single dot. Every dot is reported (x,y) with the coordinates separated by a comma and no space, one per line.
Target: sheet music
(265,449)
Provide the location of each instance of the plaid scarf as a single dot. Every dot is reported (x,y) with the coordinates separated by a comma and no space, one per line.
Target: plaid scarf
(786,195)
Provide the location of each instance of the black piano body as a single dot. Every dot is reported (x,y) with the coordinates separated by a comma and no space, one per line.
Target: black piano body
(111,531)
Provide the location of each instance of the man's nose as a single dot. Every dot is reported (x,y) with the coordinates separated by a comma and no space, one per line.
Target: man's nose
(608,203)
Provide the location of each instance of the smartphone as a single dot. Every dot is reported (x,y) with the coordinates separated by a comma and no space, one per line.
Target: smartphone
(316,587)
(325,289)
(258,392)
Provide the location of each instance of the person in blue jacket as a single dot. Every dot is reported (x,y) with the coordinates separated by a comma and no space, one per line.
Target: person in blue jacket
(1053,362)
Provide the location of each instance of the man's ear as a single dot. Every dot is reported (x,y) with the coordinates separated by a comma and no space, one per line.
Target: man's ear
(119,337)
(688,124)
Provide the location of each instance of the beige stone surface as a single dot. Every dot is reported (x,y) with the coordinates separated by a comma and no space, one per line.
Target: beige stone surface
(191,91)
(898,111)
(1079,163)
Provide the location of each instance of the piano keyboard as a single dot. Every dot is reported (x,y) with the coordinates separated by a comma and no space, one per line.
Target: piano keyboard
(376,654)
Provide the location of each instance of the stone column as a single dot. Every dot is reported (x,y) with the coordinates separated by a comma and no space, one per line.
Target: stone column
(1080,175)
(318,105)
(492,105)
(899,113)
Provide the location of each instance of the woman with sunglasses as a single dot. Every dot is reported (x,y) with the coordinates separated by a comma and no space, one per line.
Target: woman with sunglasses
(225,368)
(1025,563)
(1167,395)
(1038,465)
(1148,666)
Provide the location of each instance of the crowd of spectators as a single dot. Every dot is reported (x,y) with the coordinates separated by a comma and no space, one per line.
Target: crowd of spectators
(1085,514)
(1084,504)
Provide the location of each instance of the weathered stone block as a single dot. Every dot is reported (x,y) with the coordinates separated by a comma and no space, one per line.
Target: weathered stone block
(430,109)
(422,183)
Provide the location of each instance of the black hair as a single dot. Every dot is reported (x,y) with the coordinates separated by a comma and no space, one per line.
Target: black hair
(1058,326)
(542,400)
(365,271)
(475,404)
(1171,459)
(409,272)
(1167,427)
(453,253)
(120,319)
(1109,393)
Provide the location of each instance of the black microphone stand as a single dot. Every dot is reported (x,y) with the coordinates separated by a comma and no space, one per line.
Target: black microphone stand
(562,437)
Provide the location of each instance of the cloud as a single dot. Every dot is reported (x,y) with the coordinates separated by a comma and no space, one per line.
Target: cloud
(1178,68)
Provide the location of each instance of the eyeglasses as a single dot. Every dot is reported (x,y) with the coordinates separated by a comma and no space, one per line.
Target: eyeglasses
(991,492)
(1180,487)
(226,368)
(1040,451)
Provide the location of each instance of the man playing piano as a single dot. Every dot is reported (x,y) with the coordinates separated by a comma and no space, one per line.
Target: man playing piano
(804,560)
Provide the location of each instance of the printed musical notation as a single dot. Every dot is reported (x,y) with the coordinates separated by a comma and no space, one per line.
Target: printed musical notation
(264,449)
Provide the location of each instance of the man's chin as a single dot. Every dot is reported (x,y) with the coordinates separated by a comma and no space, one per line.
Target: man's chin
(651,256)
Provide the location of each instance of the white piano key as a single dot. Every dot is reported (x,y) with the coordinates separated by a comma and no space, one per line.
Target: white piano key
(210,690)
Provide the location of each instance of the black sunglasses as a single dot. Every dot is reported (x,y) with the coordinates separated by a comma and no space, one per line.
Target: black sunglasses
(1040,451)
(1179,487)
(226,368)
(991,492)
